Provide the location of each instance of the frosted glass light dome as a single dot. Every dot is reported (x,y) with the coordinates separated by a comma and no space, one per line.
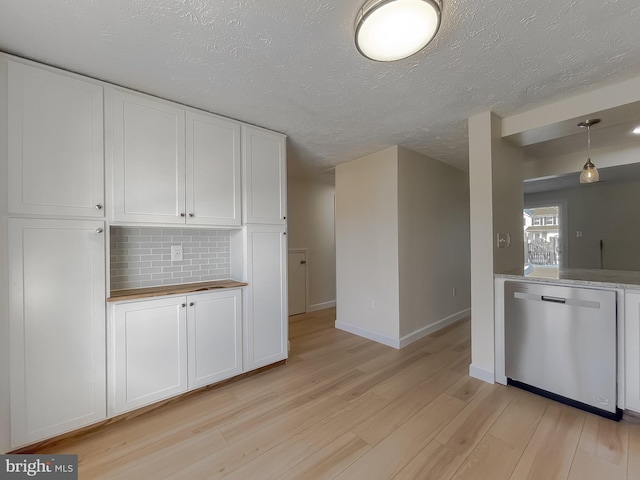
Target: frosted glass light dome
(388,30)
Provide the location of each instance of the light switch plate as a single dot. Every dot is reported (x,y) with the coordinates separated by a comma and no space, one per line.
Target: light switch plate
(503,240)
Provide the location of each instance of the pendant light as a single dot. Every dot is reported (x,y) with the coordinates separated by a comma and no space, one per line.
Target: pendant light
(589,173)
(388,30)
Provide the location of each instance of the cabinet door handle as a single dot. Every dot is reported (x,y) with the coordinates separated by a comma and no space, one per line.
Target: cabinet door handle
(99,230)
(184,305)
(303,262)
(182,214)
(98,207)
(191,215)
(191,304)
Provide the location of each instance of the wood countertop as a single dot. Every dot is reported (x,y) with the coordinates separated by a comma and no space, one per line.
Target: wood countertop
(139,293)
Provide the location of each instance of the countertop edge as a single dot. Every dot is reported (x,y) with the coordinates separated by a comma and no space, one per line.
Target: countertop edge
(166,290)
(570,281)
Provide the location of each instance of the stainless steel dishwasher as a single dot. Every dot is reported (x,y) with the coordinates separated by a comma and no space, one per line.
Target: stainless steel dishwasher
(561,342)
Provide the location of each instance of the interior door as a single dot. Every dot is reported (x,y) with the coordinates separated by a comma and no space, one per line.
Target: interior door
(297,283)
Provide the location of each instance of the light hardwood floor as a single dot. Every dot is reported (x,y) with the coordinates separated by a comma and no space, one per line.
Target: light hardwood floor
(348,408)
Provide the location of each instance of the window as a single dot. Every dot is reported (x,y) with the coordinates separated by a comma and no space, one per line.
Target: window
(537,220)
(550,221)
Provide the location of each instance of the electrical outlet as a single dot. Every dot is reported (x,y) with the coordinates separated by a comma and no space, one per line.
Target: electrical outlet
(176,253)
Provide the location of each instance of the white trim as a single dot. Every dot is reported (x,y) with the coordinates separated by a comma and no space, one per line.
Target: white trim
(368,334)
(434,327)
(481,374)
(321,306)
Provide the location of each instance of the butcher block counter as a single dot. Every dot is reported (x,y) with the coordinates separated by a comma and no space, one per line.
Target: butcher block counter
(139,293)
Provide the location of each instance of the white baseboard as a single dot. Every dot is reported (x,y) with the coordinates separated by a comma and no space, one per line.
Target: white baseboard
(321,306)
(369,334)
(481,373)
(434,327)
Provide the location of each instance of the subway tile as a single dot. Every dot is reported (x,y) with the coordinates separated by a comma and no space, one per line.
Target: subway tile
(161,251)
(139,278)
(139,251)
(161,263)
(151,270)
(150,258)
(149,283)
(190,268)
(139,264)
(151,245)
(161,276)
(200,250)
(181,274)
(171,269)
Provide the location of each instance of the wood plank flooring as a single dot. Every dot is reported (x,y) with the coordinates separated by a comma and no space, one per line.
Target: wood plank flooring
(348,408)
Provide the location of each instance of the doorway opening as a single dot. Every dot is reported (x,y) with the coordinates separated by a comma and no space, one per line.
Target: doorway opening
(542,241)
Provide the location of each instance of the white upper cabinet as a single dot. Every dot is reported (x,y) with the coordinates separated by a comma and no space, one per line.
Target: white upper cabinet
(56,154)
(148,153)
(264,161)
(173,165)
(57,326)
(213,170)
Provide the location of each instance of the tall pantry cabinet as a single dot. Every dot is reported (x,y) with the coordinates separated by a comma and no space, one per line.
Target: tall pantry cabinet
(56,248)
(261,247)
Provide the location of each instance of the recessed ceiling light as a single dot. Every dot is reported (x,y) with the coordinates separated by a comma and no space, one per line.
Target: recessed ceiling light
(388,30)
(637,130)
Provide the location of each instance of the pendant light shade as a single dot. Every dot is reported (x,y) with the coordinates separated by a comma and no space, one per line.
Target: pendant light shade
(589,173)
(388,30)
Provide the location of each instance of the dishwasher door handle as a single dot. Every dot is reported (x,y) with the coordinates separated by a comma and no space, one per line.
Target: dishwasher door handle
(546,298)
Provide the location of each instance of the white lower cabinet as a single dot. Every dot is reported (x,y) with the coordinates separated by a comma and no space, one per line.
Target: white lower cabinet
(163,347)
(148,352)
(57,326)
(632,350)
(214,326)
(266,332)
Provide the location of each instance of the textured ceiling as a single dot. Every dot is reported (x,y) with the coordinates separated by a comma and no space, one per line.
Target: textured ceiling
(291,66)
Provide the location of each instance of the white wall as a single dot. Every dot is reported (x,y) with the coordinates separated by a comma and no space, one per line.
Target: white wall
(495,183)
(602,211)
(433,205)
(573,163)
(5,425)
(310,225)
(367,246)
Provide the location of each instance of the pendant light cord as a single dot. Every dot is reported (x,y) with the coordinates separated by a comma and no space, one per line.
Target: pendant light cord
(589,142)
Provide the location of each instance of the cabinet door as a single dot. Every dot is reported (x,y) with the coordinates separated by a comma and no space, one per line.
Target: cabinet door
(265,176)
(632,350)
(148,352)
(214,326)
(266,328)
(57,326)
(56,157)
(213,170)
(148,159)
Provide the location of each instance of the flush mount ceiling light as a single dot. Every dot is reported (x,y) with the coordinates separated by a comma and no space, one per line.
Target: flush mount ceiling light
(589,173)
(388,30)
(637,130)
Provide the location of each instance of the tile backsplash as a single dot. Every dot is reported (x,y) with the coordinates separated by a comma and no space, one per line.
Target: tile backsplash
(141,256)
